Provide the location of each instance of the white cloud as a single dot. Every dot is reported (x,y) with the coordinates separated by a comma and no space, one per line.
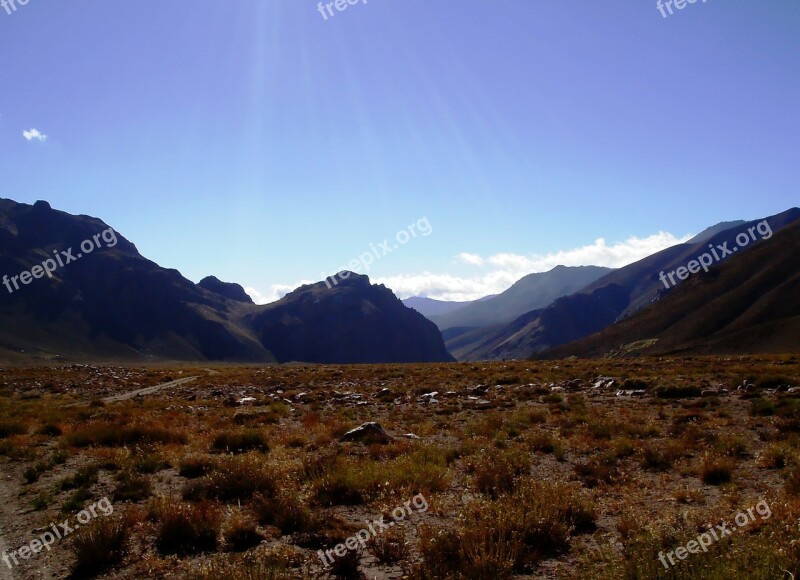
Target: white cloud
(597,254)
(473,259)
(34,135)
(449,287)
(500,271)
(507,268)
(276,292)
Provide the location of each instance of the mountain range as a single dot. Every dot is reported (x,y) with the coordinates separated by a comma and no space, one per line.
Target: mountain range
(748,304)
(61,303)
(116,305)
(613,297)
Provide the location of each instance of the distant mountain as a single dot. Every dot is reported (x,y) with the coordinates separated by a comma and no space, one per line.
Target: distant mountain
(530,292)
(750,303)
(468,329)
(355,321)
(107,302)
(226,289)
(612,297)
(430,307)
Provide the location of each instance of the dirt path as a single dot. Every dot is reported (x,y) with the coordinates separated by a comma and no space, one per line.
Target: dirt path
(7,493)
(5,573)
(148,390)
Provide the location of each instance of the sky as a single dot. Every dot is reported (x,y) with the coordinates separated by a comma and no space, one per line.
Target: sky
(270,143)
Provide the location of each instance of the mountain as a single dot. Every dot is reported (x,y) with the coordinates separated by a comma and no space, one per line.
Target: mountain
(227,289)
(750,303)
(357,322)
(74,288)
(530,292)
(709,233)
(614,296)
(430,307)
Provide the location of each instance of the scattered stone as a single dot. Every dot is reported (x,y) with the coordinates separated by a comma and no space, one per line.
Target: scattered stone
(367,433)
(385,395)
(604,383)
(429,397)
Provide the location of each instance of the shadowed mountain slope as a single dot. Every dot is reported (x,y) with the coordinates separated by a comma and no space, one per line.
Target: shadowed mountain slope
(611,298)
(114,304)
(749,304)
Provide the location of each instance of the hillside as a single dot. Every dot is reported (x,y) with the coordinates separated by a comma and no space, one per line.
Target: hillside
(528,293)
(357,322)
(749,304)
(613,297)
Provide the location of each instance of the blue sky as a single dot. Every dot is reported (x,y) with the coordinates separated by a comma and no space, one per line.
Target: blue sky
(256,141)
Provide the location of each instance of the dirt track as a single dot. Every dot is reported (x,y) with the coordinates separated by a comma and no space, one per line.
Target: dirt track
(148,390)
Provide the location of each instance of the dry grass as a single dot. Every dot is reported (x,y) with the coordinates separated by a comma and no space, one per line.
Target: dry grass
(535,474)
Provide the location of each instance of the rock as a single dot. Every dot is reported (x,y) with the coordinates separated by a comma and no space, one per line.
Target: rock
(411,436)
(604,383)
(574,385)
(479,390)
(385,395)
(367,433)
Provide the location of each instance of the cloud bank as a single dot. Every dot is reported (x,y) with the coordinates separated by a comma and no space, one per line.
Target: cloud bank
(498,272)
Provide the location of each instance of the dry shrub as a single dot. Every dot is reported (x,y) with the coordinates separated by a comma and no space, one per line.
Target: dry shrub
(391,547)
(194,466)
(509,535)
(240,533)
(715,470)
(112,435)
(184,528)
(240,441)
(234,478)
(100,545)
(286,512)
(498,473)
